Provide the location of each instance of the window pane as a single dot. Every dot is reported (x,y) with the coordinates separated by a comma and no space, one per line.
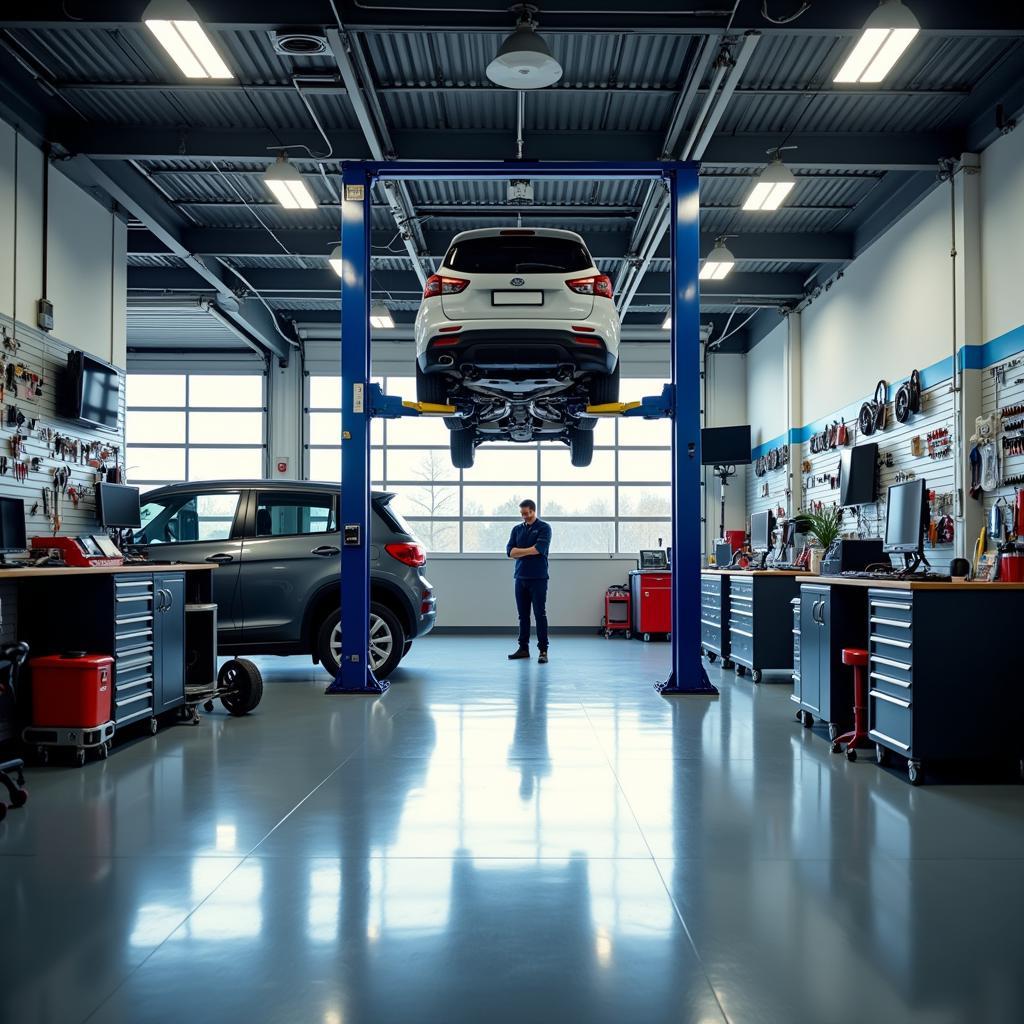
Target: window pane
(435,534)
(495,501)
(159,389)
(518,466)
(604,432)
(188,517)
(324,427)
(570,501)
(634,536)
(652,467)
(580,537)
(225,428)
(645,501)
(429,465)
(225,463)
(645,433)
(166,464)
(280,514)
(429,500)
(324,392)
(632,389)
(159,427)
(487,536)
(556,467)
(377,432)
(418,430)
(228,391)
(325,464)
(376,464)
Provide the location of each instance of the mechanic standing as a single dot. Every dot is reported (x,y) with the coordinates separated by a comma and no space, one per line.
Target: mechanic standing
(528,544)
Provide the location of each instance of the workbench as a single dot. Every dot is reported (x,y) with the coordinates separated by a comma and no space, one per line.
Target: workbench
(135,613)
(759,617)
(944,670)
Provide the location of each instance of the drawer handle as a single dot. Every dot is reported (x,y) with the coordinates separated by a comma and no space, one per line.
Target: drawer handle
(890,679)
(888,661)
(875,734)
(714,624)
(878,695)
(740,611)
(892,604)
(128,666)
(145,695)
(795,632)
(742,632)
(126,584)
(889,622)
(888,640)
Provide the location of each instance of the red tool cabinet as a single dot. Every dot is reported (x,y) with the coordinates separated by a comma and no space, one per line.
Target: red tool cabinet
(71,690)
(651,590)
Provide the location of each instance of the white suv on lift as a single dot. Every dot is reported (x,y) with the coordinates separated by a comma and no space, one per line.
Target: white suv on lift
(519,329)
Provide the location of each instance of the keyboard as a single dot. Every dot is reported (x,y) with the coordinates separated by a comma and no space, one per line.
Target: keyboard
(911,577)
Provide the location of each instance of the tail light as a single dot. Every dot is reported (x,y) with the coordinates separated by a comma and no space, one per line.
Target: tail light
(408,554)
(438,285)
(599,285)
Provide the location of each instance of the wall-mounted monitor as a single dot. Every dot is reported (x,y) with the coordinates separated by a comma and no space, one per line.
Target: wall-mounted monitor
(117,506)
(858,475)
(94,391)
(725,446)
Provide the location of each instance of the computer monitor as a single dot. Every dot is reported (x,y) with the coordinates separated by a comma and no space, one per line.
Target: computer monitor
(725,446)
(906,516)
(762,526)
(12,526)
(653,558)
(858,475)
(118,506)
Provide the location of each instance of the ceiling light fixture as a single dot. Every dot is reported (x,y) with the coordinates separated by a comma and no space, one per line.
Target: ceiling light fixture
(287,186)
(773,184)
(718,263)
(887,33)
(335,260)
(176,27)
(524,60)
(380,317)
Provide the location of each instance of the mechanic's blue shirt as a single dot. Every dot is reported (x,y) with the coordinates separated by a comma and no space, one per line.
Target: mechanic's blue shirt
(531,567)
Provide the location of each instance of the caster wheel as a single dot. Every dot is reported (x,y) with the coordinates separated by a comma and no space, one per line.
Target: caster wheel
(712,656)
(755,675)
(668,638)
(914,773)
(800,717)
(80,757)
(153,726)
(726,663)
(740,670)
(851,754)
(835,747)
(647,638)
(629,634)
(881,754)
(607,634)
(103,750)
(808,719)
(43,755)
(19,797)
(208,706)
(833,730)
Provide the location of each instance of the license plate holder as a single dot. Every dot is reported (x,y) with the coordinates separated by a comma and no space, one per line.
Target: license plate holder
(505,298)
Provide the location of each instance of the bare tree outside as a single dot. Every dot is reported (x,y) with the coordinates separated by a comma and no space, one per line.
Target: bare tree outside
(435,500)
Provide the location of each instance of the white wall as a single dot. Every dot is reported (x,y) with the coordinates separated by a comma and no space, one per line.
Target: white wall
(1002,235)
(87,264)
(766,386)
(725,406)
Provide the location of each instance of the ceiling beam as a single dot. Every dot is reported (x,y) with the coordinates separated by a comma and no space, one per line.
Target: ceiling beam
(249,318)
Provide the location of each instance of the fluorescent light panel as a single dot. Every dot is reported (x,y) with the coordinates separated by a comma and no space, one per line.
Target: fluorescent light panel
(768,195)
(335,260)
(667,325)
(190,48)
(887,33)
(714,271)
(380,317)
(291,194)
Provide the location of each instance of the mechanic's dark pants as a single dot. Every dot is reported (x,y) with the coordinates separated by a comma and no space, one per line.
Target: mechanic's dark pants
(532,593)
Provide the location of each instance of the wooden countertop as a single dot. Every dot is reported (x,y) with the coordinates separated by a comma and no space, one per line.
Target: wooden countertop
(846,581)
(53,571)
(756,572)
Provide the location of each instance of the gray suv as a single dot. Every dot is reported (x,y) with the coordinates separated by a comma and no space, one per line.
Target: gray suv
(277,587)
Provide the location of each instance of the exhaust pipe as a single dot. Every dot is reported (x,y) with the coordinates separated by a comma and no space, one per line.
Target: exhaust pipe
(446,361)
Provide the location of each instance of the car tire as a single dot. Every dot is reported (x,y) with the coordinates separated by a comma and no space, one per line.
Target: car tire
(581,446)
(380,618)
(462,448)
(431,387)
(604,387)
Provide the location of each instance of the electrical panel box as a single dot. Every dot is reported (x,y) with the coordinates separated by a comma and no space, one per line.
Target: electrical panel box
(44,315)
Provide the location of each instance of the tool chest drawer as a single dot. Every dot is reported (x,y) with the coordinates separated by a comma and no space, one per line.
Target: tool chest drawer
(710,583)
(891,646)
(742,587)
(711,613)
(890,720)
(711,636)
(741,646)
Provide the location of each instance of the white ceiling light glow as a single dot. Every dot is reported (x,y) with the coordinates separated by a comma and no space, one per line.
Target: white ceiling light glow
(524,60)
(380,317)
(287,187)
(176,27)
(886,34)
(718,263)
(335,260)
(773,184)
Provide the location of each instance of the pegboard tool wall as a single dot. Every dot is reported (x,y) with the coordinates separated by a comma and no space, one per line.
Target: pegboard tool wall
(775,481)
(46,356)
(1002,386)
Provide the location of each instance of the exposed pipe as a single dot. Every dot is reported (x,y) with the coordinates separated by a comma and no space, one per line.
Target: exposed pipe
(520,113)
(750,41)
(722,64)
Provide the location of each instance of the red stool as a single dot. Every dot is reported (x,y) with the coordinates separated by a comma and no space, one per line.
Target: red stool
(859,737)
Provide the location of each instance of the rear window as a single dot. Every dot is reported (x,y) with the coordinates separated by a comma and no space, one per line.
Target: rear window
(518,254)
(394,522)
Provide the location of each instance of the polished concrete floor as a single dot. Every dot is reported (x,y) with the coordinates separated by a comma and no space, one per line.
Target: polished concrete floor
(498,841)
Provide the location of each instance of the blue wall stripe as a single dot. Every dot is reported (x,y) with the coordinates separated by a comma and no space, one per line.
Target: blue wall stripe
(971,357)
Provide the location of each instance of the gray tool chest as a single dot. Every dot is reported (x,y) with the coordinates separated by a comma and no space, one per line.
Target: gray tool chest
(760,630)
(714,616)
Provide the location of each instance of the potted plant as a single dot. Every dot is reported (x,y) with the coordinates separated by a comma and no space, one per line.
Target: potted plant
(824,527)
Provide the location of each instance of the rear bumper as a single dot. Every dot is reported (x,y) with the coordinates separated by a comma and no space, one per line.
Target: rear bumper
(516,354)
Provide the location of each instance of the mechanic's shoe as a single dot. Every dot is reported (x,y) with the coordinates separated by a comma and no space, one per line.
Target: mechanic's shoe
(521,653)
(543,659)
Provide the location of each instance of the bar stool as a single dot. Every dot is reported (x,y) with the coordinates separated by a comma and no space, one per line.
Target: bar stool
(857,658)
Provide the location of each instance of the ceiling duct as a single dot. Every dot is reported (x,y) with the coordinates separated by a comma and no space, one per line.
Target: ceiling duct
(296,42)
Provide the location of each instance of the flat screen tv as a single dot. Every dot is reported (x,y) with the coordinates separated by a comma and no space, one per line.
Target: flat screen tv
(94,391)
(858,475)
(117,505)
(725,446)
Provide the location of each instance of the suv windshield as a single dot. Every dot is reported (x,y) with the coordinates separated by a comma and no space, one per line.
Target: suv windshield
(518,254)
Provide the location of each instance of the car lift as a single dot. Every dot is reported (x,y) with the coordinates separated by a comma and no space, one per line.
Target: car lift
(361,400)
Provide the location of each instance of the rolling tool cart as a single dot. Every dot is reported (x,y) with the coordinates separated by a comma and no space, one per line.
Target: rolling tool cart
(651,605)
(238,685)
(12,657)
(617,617)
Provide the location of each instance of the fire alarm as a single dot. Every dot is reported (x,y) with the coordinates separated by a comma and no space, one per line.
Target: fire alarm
(282,465)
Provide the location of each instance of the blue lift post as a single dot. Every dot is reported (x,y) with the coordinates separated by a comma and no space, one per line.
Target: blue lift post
(680,400)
